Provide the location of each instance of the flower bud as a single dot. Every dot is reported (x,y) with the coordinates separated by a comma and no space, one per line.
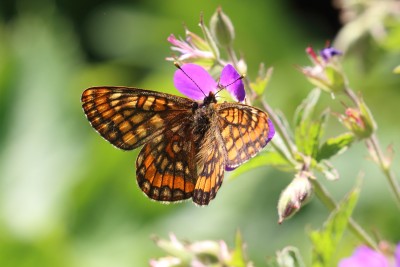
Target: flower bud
(222,28)
(294,196)
(359,121)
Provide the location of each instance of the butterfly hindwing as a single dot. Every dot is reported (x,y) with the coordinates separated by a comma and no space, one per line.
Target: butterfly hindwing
(210,166)
(165,167)
(128,117)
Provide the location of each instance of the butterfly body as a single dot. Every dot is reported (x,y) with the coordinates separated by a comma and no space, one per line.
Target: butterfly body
(187,145)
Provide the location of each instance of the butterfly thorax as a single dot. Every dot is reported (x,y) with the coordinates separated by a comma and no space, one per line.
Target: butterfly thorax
(203,117)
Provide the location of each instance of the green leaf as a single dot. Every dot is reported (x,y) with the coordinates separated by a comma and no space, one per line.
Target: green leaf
(308,135)
(326,240)
(262,79)
(269,158)
(335,145)
(238,257)
(305,110)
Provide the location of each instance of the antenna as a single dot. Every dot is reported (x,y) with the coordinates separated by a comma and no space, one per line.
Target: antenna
(222,87)
(180,68)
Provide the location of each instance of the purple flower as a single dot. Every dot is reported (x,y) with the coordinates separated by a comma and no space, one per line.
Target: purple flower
(196,83)
(364,256)
(271,132)
(328,53)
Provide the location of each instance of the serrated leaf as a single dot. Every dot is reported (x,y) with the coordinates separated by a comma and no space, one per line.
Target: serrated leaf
(308,135)
(335,145)
(306,108)
(325,241)
(270,158)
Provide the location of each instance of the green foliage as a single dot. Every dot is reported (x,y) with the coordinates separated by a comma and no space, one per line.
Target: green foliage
(326,240)
(308,132)
(262,80)
(269,158)
(335,145)
(238,255)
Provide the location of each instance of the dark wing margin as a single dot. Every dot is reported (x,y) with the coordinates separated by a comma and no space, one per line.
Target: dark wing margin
(244,130)
(128,117)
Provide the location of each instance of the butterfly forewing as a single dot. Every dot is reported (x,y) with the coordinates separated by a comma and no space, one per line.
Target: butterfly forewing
(165,168)
(244,130)
(129,117)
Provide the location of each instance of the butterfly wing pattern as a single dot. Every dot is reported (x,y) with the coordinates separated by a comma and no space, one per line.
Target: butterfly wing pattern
(244,131)
(187,145)
(129,117)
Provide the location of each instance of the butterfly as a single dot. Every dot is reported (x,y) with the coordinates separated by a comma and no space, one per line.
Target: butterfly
(187,143)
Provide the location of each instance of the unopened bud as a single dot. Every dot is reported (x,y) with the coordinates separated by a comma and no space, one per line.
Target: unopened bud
(359,121)
(294,196)
(222,28)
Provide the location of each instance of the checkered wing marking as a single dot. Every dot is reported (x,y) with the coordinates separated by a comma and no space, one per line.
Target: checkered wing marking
(211,171)
(165,167)
(129,117)
(244,131)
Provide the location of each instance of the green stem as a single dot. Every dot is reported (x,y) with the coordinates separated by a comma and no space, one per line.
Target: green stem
(385,167)
(376,150)
(352,96)
(330,203)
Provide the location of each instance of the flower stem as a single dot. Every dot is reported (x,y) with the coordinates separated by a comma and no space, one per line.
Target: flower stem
(330,203)
(377,151)
(385,167)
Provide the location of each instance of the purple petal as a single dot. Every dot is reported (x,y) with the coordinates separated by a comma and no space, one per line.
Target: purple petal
(227,168)
(199,85)
(271,132)
(365,257)
(397,255)
(230,79)
(329,52)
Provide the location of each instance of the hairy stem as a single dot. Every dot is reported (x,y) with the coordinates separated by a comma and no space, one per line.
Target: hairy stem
(373,143)
(385,167)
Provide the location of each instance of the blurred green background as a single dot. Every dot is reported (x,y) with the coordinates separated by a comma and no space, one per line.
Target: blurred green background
(68,198)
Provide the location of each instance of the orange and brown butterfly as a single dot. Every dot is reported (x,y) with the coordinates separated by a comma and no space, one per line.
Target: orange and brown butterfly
(187,143)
